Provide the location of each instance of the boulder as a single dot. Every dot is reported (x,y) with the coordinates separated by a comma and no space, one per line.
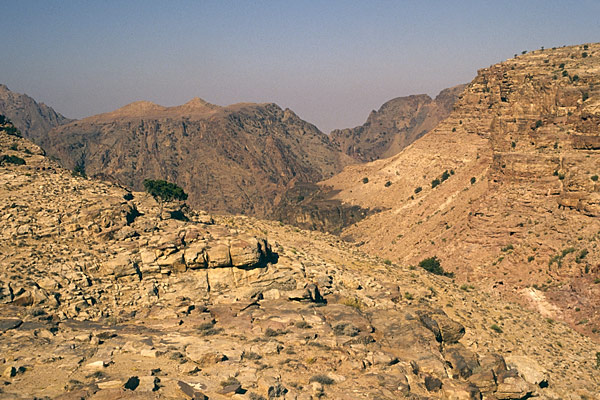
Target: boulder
(245,252)
(218,256)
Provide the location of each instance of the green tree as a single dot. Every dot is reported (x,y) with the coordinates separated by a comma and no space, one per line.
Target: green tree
(164,192)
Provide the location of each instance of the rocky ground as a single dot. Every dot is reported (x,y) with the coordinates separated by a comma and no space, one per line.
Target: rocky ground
(103,298)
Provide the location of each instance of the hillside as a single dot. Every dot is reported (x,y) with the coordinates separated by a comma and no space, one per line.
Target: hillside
(505,190)
(398,123)
(33,119)
(101,299)
(233,159)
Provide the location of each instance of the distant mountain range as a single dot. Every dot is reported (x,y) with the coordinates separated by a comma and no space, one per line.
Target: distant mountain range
(398,123)
(234,159)
(244,158)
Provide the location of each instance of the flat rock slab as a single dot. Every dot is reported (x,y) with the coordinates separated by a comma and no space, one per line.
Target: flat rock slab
(9,323)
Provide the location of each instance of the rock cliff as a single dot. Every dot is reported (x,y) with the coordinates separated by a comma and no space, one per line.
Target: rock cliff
(33,119)
(233,159)
(102,298)
(398,123)
(505,190)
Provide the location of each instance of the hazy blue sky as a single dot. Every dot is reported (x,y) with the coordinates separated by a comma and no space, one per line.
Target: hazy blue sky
(331,62)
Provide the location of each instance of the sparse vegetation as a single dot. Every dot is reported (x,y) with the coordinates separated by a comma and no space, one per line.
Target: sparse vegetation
(353,302)
(433,265)
(582,254)
(508,247)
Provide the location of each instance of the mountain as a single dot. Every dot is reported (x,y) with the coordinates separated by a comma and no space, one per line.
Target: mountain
(504,191)
(233,159)
(398,123)
(102,299)
(33,119)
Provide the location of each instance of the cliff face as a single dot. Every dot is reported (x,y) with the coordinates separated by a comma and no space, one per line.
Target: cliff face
(398,123)
(505,190)
(33,119)
(233,159)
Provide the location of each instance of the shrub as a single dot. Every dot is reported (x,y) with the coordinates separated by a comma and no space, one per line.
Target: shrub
(432,264)
(530,258)
(387,262)
(538,123)
(418,190)
(353,302)
(575,78)
(496,328)
(561,66)
(507,248)
(128,196)
(435,183)
(565,73)
(473,180)
(7,159)
(445,176)
(582,254)
(164,192)
(388,184)
(594,178)
(584,54)
(365,180)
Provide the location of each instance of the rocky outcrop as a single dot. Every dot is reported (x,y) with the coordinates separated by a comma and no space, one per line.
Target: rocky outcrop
(398,123)
(504,191)
(33,119)
(233,159)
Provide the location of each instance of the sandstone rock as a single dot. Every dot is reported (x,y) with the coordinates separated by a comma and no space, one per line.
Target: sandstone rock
(512,386)
(530,370)
(121,266)
(271,387)
(218,256)
(9,323)
(245,252)
(190,392)
(445,329)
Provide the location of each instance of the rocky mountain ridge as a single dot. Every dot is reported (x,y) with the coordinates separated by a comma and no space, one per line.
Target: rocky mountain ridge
(398,123)
(102,298)
(504,191)
(33,119)
(234,159)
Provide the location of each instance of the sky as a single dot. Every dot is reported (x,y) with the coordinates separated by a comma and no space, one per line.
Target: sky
(331,62)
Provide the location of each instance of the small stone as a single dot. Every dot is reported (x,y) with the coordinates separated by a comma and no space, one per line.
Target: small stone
(97,365)
(9,372)
(191,392)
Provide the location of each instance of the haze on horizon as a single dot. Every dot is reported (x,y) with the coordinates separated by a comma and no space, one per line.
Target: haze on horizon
(331,62)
